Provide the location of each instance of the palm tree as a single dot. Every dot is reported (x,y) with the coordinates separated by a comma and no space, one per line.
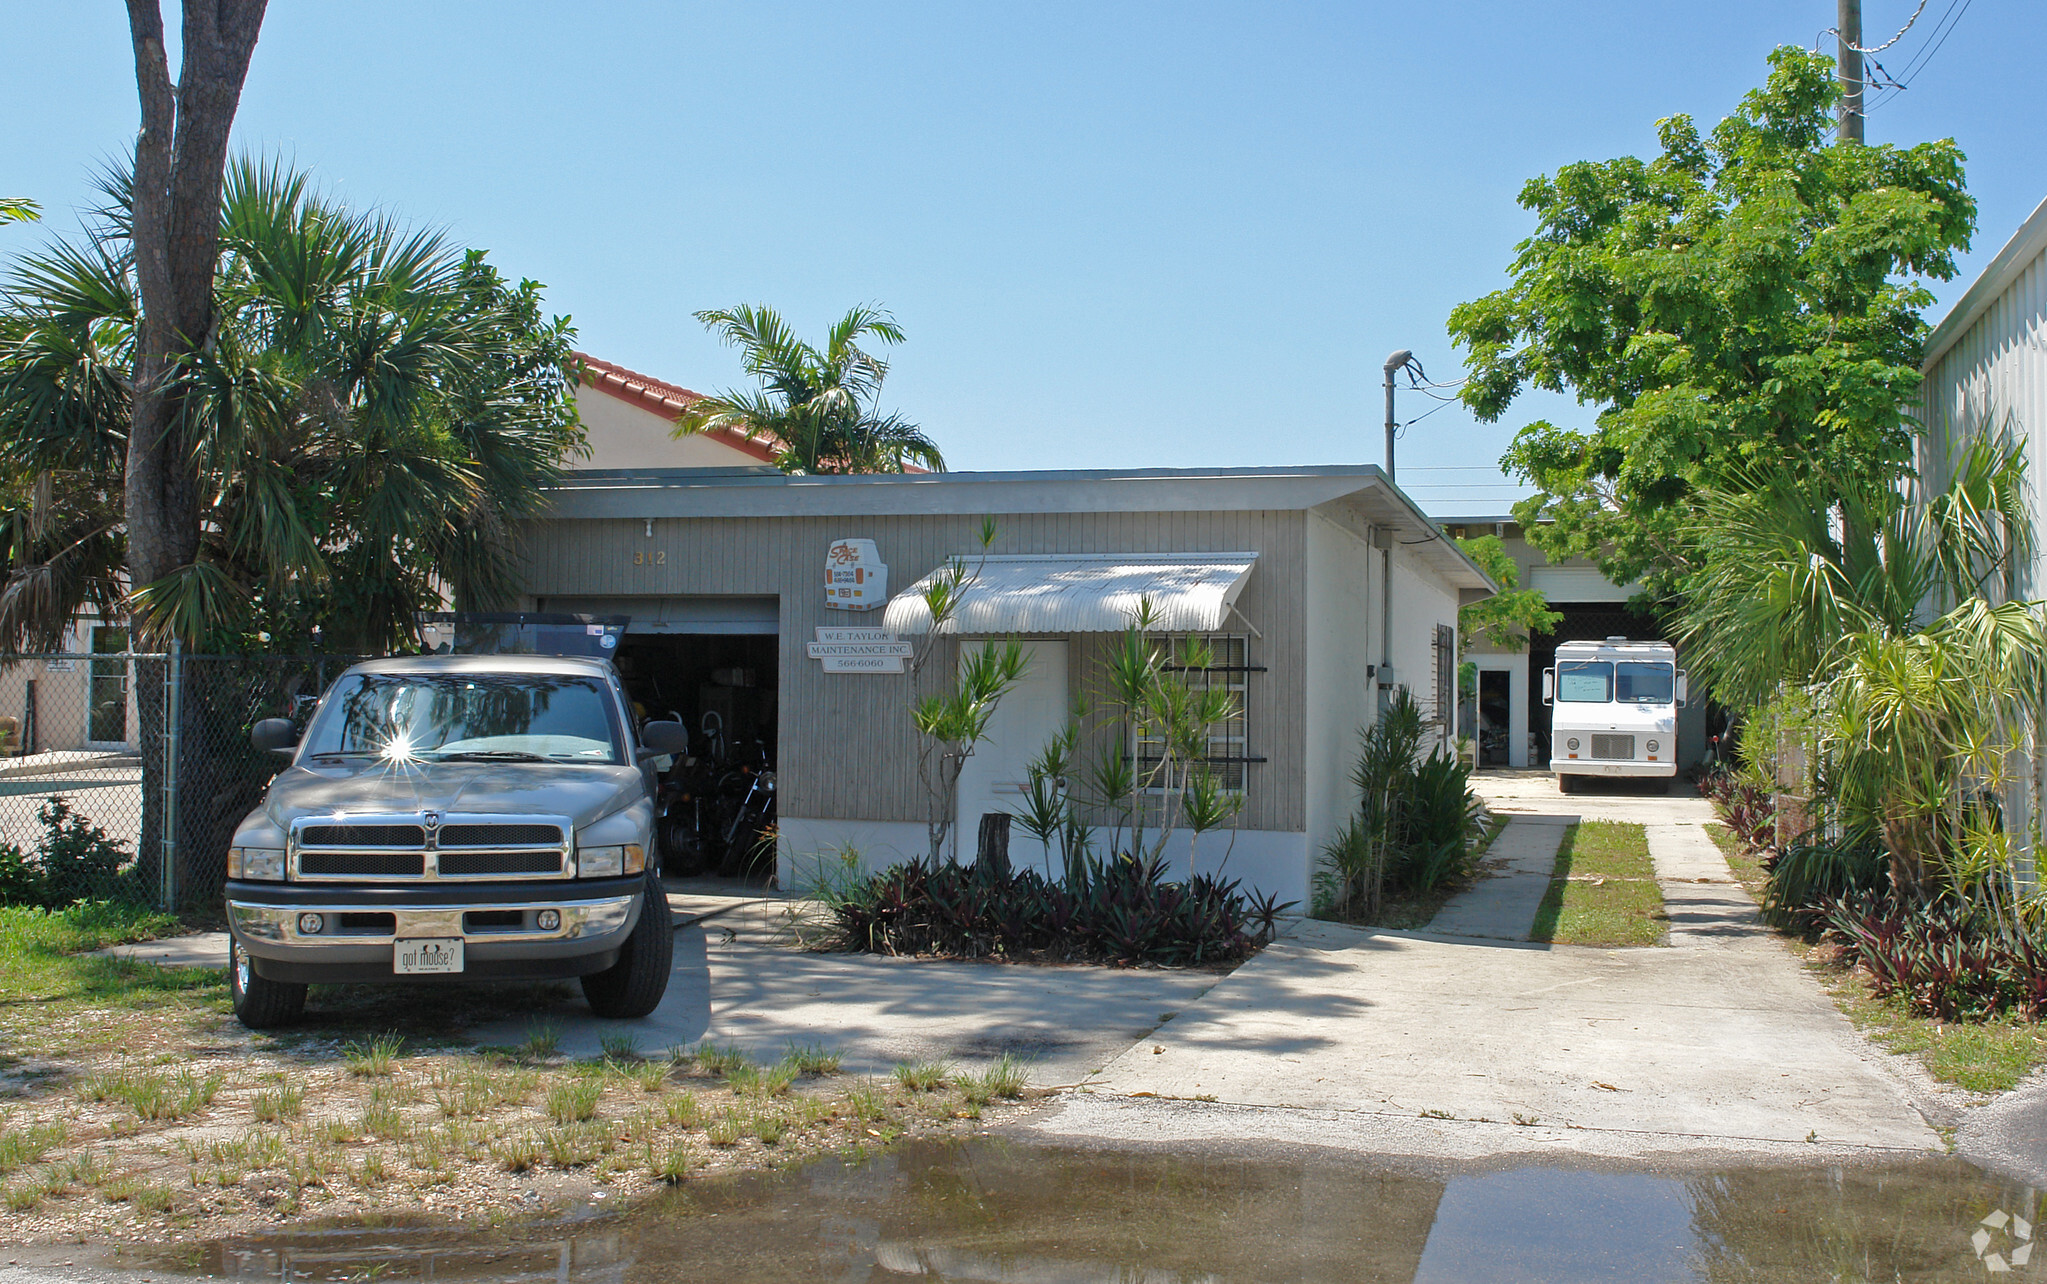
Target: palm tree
(817,407)
(1890,616)
(377,412)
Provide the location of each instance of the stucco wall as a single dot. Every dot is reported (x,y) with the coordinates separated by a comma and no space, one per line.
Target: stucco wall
(628,436)
(1342,622)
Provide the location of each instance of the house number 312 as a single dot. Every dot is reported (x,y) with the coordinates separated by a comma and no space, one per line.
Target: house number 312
(650,559)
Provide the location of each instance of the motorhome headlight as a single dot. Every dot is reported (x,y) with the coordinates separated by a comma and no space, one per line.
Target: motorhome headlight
(1572,744)
(610,862)
(261,863)
(1653,746)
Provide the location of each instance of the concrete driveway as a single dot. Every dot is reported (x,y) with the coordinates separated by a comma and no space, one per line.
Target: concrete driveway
(736,980)
(1477,1045)
(733,983)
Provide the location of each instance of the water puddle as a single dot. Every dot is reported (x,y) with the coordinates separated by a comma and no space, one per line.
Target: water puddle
(1000,1211)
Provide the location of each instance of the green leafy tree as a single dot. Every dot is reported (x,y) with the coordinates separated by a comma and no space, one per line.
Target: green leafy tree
(815,406)
(1506,618)
(1750,295)
(375,415)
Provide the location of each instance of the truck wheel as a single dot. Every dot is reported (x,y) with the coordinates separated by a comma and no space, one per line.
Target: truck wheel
(1566,783)
(261,1004)
(1663,784)
(633,986)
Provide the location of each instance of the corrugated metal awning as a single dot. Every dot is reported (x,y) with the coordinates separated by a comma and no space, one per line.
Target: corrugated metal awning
(1084,593)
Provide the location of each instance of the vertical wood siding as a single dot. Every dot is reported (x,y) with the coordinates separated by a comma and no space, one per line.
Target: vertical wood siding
(846,747)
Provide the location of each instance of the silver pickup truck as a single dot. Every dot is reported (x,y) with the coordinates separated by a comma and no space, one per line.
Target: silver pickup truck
(483,817)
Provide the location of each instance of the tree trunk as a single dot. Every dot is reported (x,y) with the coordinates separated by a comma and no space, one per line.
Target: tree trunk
(180,157)
(992,851)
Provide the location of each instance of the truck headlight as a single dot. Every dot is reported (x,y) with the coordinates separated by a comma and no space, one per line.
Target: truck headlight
(1652,746)
(264,864)
(610,862)
(1572,744)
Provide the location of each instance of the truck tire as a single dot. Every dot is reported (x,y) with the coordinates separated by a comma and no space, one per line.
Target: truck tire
(633,986)
(261,1004)
(1566,783)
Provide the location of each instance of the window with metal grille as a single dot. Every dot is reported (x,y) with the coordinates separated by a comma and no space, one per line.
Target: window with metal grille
(1227,668)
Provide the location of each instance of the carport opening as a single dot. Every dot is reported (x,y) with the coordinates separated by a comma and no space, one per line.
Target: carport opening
(717,812)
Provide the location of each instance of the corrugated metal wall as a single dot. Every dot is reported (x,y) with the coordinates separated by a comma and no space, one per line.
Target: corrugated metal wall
(1994,376)
(847,749)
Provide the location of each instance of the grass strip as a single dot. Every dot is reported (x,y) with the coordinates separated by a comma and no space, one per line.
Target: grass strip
(1603,890)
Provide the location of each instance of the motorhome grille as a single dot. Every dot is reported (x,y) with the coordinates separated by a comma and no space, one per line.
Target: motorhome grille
(475,864)
(1613,746)
(361,864)
(499,835)
(362,836)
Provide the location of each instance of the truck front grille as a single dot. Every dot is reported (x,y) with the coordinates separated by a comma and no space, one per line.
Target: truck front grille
(474,864)
(1613,746)
(361,864)
(431,847)
(500,835)
(363,836)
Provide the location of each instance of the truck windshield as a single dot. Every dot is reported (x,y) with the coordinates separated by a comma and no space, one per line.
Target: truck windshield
(1640,682)
(477,717)
(1584,681)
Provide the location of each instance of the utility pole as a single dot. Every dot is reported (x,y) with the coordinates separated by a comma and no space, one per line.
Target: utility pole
(1848,66)
(1394,364)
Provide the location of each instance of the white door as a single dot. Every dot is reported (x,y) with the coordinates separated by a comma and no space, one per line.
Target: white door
(993,779)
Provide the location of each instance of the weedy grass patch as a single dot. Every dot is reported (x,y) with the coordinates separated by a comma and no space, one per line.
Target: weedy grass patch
(1603,890)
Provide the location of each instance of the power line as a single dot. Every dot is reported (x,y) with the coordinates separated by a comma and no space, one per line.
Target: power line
(1949,20)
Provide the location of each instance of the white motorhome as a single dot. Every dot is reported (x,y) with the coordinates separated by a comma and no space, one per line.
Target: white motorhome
(1616,708)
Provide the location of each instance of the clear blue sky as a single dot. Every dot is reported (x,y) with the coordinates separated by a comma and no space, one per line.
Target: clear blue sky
(1118,235)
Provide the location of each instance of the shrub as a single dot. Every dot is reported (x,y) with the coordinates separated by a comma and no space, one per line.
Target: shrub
(1946,958)
(1120,910)
(1415,825)
(1745,806)
(75,861)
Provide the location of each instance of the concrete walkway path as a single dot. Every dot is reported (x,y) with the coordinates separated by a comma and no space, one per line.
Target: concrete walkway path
(1503,907)
(1427,1044)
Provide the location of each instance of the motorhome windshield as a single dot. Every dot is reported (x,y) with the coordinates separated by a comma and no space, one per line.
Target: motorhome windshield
(1606,682)
(1584,681)
(1636,682)
(480,718)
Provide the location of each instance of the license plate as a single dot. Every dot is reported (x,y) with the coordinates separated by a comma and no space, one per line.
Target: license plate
(427,956)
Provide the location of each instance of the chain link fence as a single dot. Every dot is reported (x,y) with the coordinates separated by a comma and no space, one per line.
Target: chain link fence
(123,776)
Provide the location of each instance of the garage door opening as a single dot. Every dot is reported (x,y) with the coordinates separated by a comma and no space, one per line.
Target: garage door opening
(718,802)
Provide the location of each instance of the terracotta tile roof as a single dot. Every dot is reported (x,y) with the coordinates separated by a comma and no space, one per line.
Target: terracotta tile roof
(665,399)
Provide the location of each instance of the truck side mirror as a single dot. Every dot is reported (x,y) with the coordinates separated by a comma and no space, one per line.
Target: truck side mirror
(275,735)
(1682,688)
(657,738)
(1549,686)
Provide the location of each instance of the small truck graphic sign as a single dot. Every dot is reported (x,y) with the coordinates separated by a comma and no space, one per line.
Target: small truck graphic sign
(854,577)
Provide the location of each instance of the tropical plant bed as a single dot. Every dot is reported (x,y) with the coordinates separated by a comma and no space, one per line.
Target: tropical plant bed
(1603,890)
(137,1110)
(1122,911)
(1414,911)
(1988,1056)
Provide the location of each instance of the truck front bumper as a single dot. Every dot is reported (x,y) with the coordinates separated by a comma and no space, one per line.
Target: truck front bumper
(498,924)
(1598,767)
